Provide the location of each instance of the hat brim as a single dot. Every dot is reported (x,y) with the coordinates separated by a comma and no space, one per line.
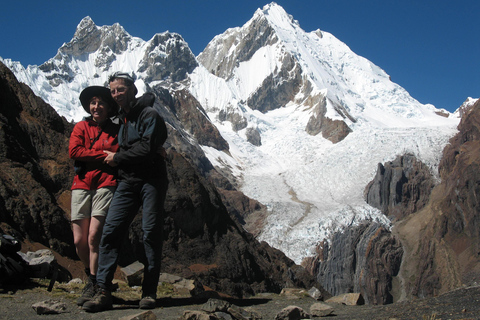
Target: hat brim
(101,92)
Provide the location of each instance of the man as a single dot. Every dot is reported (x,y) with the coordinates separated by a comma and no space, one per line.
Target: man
(142,181)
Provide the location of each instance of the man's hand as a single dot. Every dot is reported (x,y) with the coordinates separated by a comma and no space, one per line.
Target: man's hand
(109,159)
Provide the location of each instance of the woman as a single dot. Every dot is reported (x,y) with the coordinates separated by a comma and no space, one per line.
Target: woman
(94,182)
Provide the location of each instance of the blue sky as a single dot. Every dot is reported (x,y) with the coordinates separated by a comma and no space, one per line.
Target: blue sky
(429,47)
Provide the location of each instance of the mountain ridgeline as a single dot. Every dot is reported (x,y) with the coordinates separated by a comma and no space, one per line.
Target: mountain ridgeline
(292,161)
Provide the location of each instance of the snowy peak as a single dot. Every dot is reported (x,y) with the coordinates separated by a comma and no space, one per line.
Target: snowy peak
(277,17)
(96,52)
(314,70)
(89,38)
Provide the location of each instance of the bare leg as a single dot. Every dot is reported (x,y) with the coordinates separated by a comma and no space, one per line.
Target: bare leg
(94,236)
(80,230)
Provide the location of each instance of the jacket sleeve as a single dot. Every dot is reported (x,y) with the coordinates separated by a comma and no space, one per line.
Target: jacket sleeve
(77,148)
(154,134)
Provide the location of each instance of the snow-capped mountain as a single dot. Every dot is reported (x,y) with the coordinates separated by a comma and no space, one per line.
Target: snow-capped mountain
(306,119)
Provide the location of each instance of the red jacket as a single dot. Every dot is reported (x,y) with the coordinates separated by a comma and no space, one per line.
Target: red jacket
(98,174)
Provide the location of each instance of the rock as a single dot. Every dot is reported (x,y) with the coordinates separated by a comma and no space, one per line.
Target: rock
(364,258)
(333,130)
(225,310)
(253,136)
(36,171)
(194,287)
(147,315)
(239,313)
(443,239)
(133,274)
(214,305)
(315,293)
(223,316)
(197,315)
(75,281)
(181,285)
(292,313)
(293,293)
(349,299)
(321,309)
(400,187)
(49,307)
(169,278)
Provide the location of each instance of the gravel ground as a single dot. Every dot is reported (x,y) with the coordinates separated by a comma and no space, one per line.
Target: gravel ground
(16,303)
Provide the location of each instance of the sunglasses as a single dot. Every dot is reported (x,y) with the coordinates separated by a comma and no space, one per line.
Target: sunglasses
(122,75)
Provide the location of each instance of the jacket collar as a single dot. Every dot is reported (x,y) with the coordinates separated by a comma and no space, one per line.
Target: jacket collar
(146,100)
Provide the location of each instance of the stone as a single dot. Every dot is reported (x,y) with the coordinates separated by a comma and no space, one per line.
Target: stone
(133,274)
(315,293)
(293,293)
(239,313)
(147,315)
(321,309)
(181,285)
(292,313)
(50,307)
(197,315)
(349,299)
(169,278)
(223,316)
(214,305)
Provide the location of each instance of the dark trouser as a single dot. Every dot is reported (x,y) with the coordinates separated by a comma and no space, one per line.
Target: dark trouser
(125,204)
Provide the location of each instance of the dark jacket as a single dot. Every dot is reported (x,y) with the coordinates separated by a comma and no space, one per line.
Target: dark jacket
(140,140)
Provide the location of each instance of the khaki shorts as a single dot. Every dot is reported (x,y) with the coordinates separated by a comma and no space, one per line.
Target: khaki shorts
(90,203)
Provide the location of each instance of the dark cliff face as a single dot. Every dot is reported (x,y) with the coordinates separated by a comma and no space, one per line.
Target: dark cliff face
(363,258)
(201,239)
(35,170)
(400,187)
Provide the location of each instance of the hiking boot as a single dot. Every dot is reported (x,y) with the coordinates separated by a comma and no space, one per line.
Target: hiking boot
(148,302)
(100,302)
(88,293)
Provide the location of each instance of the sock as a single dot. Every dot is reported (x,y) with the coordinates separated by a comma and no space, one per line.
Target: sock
(93,278)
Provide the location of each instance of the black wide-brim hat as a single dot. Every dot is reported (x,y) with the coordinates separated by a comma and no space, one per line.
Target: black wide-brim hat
(101,92)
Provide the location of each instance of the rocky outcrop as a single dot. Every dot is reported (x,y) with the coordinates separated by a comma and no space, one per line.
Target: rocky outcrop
(400,187)
(35,171)
(333,130)
(362,259)
(176,62)
(253,136)
(217,58)
(195,120)
(442,241)
(201,240)
(278,88)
